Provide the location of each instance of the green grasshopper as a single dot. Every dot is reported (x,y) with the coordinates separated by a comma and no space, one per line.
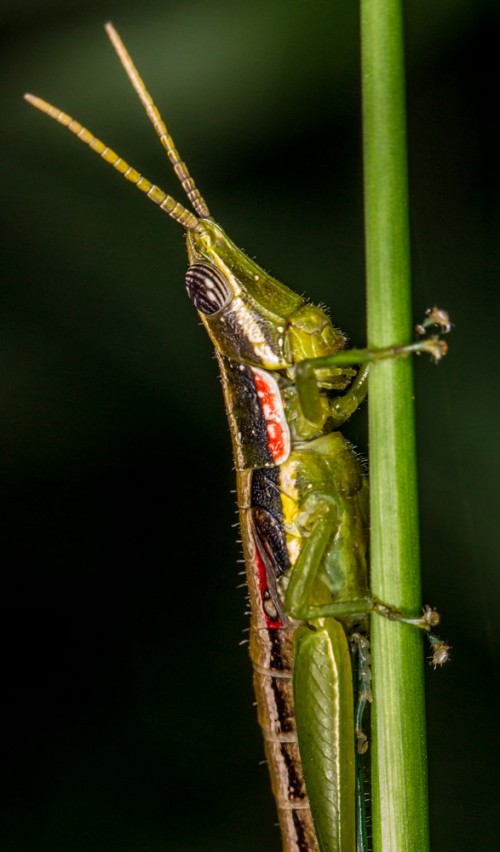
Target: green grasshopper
(288,384)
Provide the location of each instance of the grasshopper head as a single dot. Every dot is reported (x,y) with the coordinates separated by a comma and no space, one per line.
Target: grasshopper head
(244,310)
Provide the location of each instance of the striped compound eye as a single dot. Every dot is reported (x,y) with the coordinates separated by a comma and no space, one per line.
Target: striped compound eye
(207,288)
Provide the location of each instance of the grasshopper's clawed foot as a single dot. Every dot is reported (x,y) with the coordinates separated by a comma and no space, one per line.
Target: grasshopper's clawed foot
(429,619)
(434,317)
(440,651)
(436,348)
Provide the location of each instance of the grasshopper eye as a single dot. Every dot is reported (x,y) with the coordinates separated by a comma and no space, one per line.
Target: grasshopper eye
(207,288)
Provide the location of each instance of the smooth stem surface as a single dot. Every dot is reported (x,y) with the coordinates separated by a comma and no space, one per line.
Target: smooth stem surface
(400,808)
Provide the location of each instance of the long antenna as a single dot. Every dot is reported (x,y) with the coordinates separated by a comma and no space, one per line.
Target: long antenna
(166,202)
(159,125)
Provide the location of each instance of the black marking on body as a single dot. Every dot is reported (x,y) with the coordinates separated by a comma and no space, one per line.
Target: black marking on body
(248,425)
(300,831)
(296,789)
(276,653)
(266,491)
(267,516)
(285,722)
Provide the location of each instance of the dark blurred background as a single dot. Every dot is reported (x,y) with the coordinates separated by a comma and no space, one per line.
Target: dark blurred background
(126,698)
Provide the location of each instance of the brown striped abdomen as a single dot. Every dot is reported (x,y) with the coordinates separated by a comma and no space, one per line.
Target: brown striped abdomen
(271,652)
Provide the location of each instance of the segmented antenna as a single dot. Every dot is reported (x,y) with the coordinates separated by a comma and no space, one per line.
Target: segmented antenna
(166,203)
(180,168)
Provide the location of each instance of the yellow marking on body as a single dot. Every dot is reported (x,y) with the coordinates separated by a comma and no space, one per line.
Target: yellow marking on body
(289,505)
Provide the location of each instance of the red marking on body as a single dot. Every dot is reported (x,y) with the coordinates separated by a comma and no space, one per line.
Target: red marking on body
(271,623)
(278,432)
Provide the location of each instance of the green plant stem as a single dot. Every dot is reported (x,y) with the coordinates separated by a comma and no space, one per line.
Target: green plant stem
(399,774)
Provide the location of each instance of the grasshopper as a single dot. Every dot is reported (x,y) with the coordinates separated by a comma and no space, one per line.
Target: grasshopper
(289,384)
